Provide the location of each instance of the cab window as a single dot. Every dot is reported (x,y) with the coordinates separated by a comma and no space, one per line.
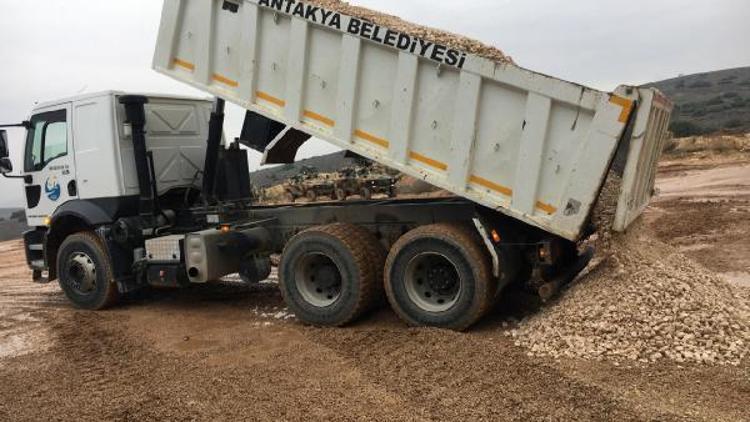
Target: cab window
(46,140)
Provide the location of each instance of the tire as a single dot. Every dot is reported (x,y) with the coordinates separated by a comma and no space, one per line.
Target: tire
(366,193)
(255,269)
(311,195)
(440,276)
(376,255)
(330,275)
(289,197)
(340,194)
(85,272)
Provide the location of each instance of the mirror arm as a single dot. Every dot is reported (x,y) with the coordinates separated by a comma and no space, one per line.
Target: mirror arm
(25,124)
(10,176)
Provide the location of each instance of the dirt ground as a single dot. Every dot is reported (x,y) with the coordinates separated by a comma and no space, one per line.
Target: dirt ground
(232,352)
(703,208)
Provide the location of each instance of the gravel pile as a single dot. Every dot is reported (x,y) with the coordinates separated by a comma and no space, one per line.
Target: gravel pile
(428,34)
(644,302)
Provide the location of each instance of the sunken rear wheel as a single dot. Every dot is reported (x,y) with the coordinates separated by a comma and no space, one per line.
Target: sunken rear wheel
(331,275)
(85,272)
(440,276)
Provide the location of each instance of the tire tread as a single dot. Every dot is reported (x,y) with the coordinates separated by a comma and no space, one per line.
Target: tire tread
(112,294)
(363,246)
(472,246)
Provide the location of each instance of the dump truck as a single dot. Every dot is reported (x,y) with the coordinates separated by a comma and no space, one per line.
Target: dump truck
(126,190)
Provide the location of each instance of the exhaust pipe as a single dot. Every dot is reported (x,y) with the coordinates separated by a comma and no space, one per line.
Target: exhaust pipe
(136,117)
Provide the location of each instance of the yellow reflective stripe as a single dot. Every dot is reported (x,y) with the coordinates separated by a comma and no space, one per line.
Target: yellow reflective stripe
(549,209)
(322,119)
(491,185)
(427,160)
(184,64)
(627,107)
(226,81)
(372,138)
(270,98)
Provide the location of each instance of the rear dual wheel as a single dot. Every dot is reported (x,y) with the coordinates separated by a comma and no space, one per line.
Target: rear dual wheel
(440,276)
(331,275)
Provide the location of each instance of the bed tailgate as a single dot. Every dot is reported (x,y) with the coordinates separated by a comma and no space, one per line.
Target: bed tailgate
(649,133)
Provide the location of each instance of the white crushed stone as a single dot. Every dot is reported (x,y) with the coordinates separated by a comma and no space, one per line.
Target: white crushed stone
(428,34)
(645,302)
(274,313)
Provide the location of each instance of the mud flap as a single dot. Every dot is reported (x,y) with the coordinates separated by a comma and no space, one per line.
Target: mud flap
(550,289)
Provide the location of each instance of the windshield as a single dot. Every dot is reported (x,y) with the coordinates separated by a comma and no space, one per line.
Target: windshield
(46,140)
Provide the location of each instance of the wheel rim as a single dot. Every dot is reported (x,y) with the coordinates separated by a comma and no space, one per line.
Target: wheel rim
(318,280)
(81,272)
(432,282)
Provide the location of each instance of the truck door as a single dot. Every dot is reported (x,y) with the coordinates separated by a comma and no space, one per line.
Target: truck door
(49,164)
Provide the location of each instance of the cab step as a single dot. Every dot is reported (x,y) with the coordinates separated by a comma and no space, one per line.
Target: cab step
(39,273)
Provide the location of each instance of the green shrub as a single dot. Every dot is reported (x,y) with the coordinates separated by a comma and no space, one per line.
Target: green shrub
(683,128)
(701,84)
(733,124)
(699,112)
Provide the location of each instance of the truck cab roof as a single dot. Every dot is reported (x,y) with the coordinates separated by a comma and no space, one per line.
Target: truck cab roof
(87,96)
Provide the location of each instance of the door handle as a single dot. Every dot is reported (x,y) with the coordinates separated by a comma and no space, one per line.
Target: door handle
(72,188)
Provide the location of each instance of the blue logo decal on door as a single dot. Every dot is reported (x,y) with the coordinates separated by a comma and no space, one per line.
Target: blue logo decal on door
(52,188)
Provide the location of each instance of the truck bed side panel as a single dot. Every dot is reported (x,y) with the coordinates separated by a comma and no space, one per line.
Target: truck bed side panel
(531,146)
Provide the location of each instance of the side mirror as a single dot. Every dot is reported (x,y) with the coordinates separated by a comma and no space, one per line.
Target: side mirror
(6,166)
(4,153)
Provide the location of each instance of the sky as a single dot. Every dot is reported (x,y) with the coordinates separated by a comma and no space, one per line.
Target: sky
(56,48)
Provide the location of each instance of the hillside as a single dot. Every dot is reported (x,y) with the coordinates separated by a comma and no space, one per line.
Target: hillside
(709,102)
(278,174)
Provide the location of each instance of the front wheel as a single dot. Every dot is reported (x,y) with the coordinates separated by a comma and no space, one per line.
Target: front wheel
(440,276)
(85,272)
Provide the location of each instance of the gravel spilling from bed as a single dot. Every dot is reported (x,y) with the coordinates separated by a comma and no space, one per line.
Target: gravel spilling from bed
(641,301)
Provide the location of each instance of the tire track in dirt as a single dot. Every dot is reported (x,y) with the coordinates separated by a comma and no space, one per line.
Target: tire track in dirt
(476,376)
(26,309)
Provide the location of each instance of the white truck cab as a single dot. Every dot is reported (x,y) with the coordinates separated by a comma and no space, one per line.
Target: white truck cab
(80,149)
(79,167)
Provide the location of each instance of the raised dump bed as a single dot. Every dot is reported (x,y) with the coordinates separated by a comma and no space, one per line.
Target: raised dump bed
(528,145)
